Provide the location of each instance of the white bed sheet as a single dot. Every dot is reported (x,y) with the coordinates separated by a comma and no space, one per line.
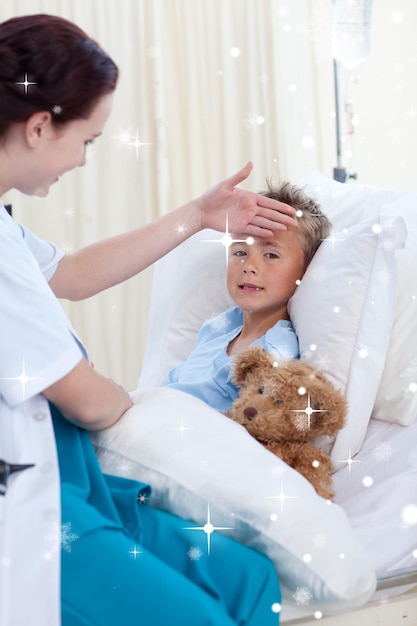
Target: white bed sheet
(384,514)
(378,491)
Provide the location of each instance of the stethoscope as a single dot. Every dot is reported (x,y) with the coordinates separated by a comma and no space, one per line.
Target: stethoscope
(6,469)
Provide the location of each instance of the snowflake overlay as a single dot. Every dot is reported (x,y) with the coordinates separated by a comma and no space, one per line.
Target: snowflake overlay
(67,537)
(270,387)
(319,541)
(382,451)
(194,553)
(302,596)
(142,497)
(219,322)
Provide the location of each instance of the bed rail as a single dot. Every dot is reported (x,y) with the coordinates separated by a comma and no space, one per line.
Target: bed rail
(397,578)
(406,576)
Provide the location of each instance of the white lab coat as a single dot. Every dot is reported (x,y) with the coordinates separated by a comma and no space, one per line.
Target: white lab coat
(37,348)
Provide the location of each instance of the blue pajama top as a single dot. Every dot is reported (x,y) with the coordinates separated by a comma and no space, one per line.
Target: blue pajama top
(208,371)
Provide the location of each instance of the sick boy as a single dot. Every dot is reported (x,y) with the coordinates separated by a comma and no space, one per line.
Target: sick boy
(262,275)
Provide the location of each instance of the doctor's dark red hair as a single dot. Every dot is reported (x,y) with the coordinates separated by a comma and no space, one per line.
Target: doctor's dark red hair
(66,71)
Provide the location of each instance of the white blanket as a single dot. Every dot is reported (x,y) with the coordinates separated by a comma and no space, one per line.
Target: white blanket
(195,458)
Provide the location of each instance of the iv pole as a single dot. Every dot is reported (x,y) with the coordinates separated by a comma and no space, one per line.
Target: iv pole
(339,172)
(351,44)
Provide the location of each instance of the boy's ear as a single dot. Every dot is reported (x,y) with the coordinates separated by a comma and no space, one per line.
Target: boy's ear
(37,127)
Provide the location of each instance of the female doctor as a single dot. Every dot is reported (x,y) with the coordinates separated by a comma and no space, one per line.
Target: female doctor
(78,547)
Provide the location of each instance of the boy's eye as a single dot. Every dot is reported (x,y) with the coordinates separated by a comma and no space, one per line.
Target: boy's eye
(239,253)
(272,255)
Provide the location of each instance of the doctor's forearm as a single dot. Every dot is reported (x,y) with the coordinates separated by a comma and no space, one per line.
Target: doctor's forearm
(109,262)
(89,399)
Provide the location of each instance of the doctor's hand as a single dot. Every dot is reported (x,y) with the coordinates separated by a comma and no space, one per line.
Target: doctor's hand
(226,208)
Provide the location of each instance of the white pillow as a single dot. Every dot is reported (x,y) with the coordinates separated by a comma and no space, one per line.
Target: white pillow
(343,312)
(346,204)
(189,286)
(194,457)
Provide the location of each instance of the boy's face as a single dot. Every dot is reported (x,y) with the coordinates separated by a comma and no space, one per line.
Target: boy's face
(262,272)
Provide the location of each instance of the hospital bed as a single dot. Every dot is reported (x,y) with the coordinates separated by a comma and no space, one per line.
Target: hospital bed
(355,313)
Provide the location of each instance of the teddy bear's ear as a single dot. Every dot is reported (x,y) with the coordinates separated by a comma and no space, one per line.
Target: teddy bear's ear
(248,361)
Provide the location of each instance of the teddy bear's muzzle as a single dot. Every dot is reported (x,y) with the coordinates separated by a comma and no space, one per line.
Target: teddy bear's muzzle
(250,412)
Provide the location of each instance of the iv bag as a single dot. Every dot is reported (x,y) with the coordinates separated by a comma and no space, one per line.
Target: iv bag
(352,31)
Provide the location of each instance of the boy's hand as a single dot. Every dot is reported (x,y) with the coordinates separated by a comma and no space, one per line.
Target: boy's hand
(226,208)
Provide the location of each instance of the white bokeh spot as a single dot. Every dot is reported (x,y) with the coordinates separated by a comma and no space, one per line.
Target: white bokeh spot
(409,514)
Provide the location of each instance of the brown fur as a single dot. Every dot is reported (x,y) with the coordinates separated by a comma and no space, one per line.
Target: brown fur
(272,409)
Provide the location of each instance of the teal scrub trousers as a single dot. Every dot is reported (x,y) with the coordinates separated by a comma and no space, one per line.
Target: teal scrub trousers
(124,563)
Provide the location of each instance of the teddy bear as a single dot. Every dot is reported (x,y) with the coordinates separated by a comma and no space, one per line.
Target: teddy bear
(285,404)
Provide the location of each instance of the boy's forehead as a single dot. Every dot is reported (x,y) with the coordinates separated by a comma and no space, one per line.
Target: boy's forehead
(279,238)
(243,238)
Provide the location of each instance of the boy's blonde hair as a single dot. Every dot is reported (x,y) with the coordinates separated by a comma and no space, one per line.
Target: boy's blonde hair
(313,226)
